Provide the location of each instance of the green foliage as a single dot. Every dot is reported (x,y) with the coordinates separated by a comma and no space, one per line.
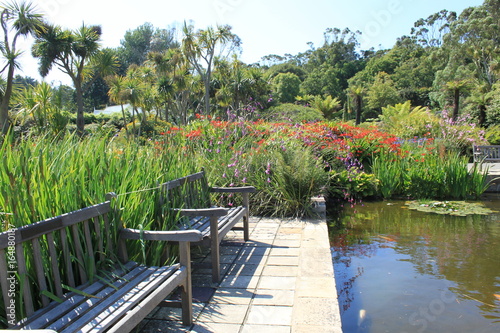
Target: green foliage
(492,135)
(382,92)
(327,105)
(429,176)
(406,122)
(330,66)
(137,43)
(292,113)
(352,184)
(493,106)
(275,70)
(286,87)
(294,176)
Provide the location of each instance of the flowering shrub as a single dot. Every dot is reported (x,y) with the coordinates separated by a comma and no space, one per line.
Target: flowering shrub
(458,135)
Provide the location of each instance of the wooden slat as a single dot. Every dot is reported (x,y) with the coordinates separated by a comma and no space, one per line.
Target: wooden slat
(177,236)
(99,238)
(241,189)
(38,229)
(78,316)
(22,271)
(79,253)
(48,315)
(4,280)
(39,269)
(70,276)
(235,216)
(214,211)
(108,237)
(96,310)
(64,313)
(90,249)
(56,274)
(126,312)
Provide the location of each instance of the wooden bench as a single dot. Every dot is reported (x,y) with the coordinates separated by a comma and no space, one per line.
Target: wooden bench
(190,197)
(483,154)
(70,277)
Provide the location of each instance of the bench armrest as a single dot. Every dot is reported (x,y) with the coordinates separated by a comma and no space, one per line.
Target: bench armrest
(241,189)
(171,236)
(217,211)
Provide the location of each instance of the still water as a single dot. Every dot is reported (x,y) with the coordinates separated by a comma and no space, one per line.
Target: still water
(399,270)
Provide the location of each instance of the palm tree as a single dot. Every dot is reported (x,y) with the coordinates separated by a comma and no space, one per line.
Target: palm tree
(202,45)
(17,20)
(37,102)
(357,94)
(70,51)
(456,87)
(116,94)
(132,93)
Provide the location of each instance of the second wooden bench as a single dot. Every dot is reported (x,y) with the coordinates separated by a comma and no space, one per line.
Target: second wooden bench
(190,197)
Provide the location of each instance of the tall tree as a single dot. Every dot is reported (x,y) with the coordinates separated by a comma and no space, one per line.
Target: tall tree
(117,95)
(17,20)
(200,49)
(357,92)
(333,64)
(137,43)
(71,51)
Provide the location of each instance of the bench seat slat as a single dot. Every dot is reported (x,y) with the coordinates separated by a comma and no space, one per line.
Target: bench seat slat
(121,300)
(236,215)
(202,224)
(77,314)
(50,314)
(124,310)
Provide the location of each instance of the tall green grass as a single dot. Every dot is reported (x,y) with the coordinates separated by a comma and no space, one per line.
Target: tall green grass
(428,177)
(43,177)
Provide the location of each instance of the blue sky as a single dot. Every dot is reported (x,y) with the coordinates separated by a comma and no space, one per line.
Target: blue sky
(264,26)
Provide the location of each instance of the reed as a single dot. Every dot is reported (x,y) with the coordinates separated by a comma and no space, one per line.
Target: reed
(428,177)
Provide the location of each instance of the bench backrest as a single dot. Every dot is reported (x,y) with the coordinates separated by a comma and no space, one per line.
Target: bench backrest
(488,152)
(38,259)
(191,191)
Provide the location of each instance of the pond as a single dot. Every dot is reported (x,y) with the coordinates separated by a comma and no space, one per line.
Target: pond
(400,270)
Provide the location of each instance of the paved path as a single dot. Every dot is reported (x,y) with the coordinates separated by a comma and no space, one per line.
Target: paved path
(281,280)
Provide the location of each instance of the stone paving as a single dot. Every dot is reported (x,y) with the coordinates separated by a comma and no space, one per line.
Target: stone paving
(281,280)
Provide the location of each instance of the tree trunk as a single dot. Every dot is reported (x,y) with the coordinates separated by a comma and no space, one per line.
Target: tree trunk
(124,120)
(482,115)
(358,109)
(4,107)
(456,104)
(207,95)
(80,120)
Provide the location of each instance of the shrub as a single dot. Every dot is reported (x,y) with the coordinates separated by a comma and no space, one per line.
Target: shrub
(293,113)
(287,179)
(352,184)
(492,135)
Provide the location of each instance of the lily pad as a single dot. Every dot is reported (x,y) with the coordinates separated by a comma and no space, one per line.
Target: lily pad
(457,208)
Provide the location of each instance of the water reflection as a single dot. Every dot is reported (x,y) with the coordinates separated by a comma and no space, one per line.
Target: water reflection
(399,270)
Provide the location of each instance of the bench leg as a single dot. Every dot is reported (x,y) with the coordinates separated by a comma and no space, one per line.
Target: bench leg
(214,235)
(187,291)
(246,218)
